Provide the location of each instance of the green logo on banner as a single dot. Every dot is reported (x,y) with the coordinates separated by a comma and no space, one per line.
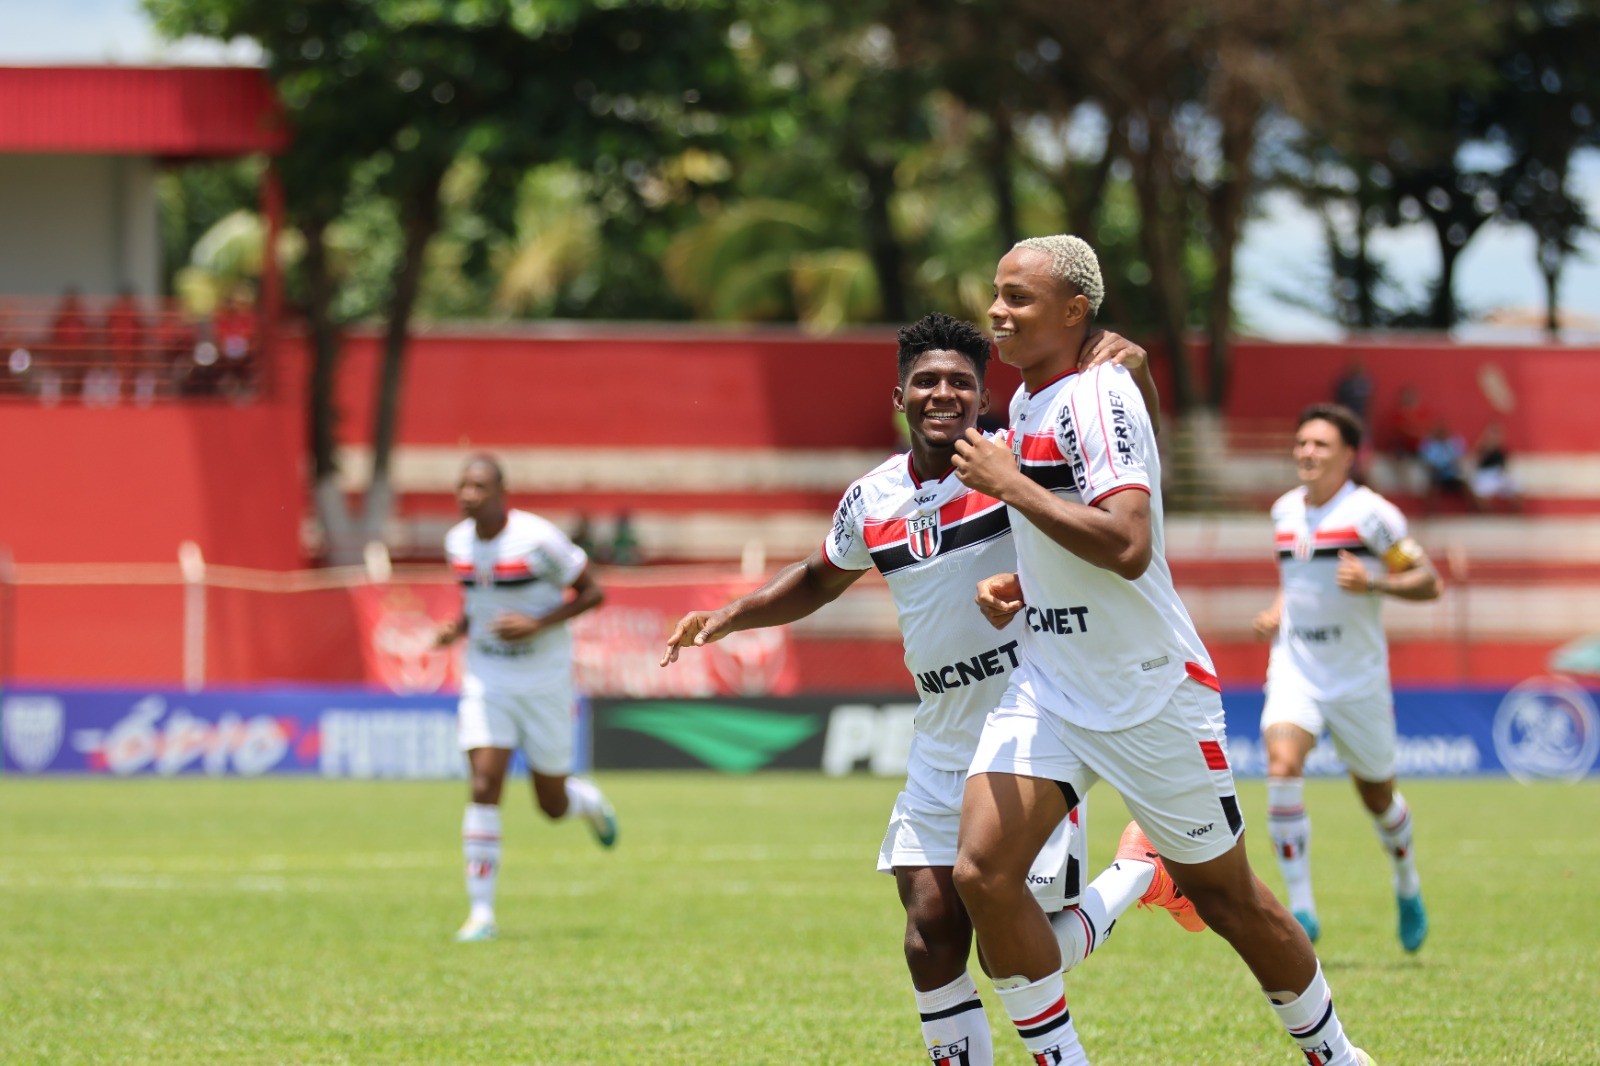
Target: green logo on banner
(733,739)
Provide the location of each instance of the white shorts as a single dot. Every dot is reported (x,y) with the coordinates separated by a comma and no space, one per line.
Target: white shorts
(537,720)
(1172,770)
(927,817)
(1362,729)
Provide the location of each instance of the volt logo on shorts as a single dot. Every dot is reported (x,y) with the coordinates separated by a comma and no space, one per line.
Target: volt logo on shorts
(1318,634)
(1062,621)
(952,1054)
(965,672)
(1201,831)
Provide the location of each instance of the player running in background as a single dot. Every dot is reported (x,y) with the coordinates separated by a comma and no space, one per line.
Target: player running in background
(1341,549)
(515,571)
(1114,683)
(932,538)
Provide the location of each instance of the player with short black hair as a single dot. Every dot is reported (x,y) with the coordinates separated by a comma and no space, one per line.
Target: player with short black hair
(1341,549)
(941,332)
(515,570)
(932,538)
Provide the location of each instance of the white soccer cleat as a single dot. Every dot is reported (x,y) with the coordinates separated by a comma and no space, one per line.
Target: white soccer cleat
(604,824)
(476,929)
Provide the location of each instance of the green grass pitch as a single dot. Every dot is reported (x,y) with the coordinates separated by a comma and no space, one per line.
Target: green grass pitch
(739,920)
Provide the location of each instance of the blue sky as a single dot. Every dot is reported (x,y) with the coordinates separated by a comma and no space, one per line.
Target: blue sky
(1282,247)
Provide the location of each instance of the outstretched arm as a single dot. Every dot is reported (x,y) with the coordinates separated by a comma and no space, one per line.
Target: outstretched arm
(795,591)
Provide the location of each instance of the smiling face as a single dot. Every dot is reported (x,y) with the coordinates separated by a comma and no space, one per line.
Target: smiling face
(1322,459)
(942,399)
(1038,319)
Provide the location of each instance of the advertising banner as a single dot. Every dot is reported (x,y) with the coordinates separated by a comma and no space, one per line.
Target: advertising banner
(616,651)
(243,733)
(1544,728)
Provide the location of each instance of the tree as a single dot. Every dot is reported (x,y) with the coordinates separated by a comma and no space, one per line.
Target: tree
(399,90)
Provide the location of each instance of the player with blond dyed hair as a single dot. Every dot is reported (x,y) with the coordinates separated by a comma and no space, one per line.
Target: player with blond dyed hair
(932,538)
(1114,682)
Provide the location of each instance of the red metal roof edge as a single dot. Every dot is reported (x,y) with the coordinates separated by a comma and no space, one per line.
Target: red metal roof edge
(159,111)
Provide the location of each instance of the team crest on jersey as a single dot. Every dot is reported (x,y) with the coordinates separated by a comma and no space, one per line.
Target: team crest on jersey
(954,1053)
(922,535)
(1304,544)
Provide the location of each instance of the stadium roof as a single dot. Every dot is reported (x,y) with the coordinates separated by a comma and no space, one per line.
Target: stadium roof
(173,112)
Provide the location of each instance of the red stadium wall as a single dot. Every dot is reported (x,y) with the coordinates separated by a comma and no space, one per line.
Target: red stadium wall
(1552,387)
(677,386)
(127,485)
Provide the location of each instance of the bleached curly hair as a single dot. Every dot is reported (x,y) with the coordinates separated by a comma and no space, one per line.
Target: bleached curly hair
(1072,260)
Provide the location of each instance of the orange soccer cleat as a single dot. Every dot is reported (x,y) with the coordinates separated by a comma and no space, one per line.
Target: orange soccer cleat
(1162,892)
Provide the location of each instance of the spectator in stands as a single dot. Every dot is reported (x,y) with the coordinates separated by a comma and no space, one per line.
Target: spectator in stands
(175,344)
(1443,455)
(234,328)
(58,363)
(128,341)
(16,358)
(1353,391)
(625,542)
(1408,428)
(583,535)
(1492,486)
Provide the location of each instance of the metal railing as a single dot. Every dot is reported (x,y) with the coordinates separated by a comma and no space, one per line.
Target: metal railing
(102,351)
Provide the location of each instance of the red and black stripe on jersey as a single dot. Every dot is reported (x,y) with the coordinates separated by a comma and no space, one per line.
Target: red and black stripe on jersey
(1325,544)
(971,518)
(1041,461)
(506,574)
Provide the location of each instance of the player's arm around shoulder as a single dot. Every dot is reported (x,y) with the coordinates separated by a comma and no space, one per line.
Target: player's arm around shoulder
(1104,346)
(794,592)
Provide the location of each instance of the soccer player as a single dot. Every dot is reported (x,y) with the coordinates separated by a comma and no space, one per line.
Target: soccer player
(1341,549)
(516,571)
(932,538)
(1113,682)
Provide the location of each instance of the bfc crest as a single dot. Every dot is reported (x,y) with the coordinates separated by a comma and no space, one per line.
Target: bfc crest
(922,534)
(951,1054)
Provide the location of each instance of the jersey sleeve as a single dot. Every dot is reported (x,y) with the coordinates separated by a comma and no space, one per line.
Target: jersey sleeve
(1383,530)
(1103,431)
(555,558)
(846,545)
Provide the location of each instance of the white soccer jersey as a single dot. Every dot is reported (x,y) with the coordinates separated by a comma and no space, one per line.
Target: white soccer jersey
(1115,649)
(1330,639)
(933,541)
(524,569)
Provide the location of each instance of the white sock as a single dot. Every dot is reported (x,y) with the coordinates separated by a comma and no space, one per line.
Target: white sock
(1081,929)
(583,799)
(954,1026)
(1039,1011)
(1290,829)
(480,843)
(1314,1025)
(1394,832)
